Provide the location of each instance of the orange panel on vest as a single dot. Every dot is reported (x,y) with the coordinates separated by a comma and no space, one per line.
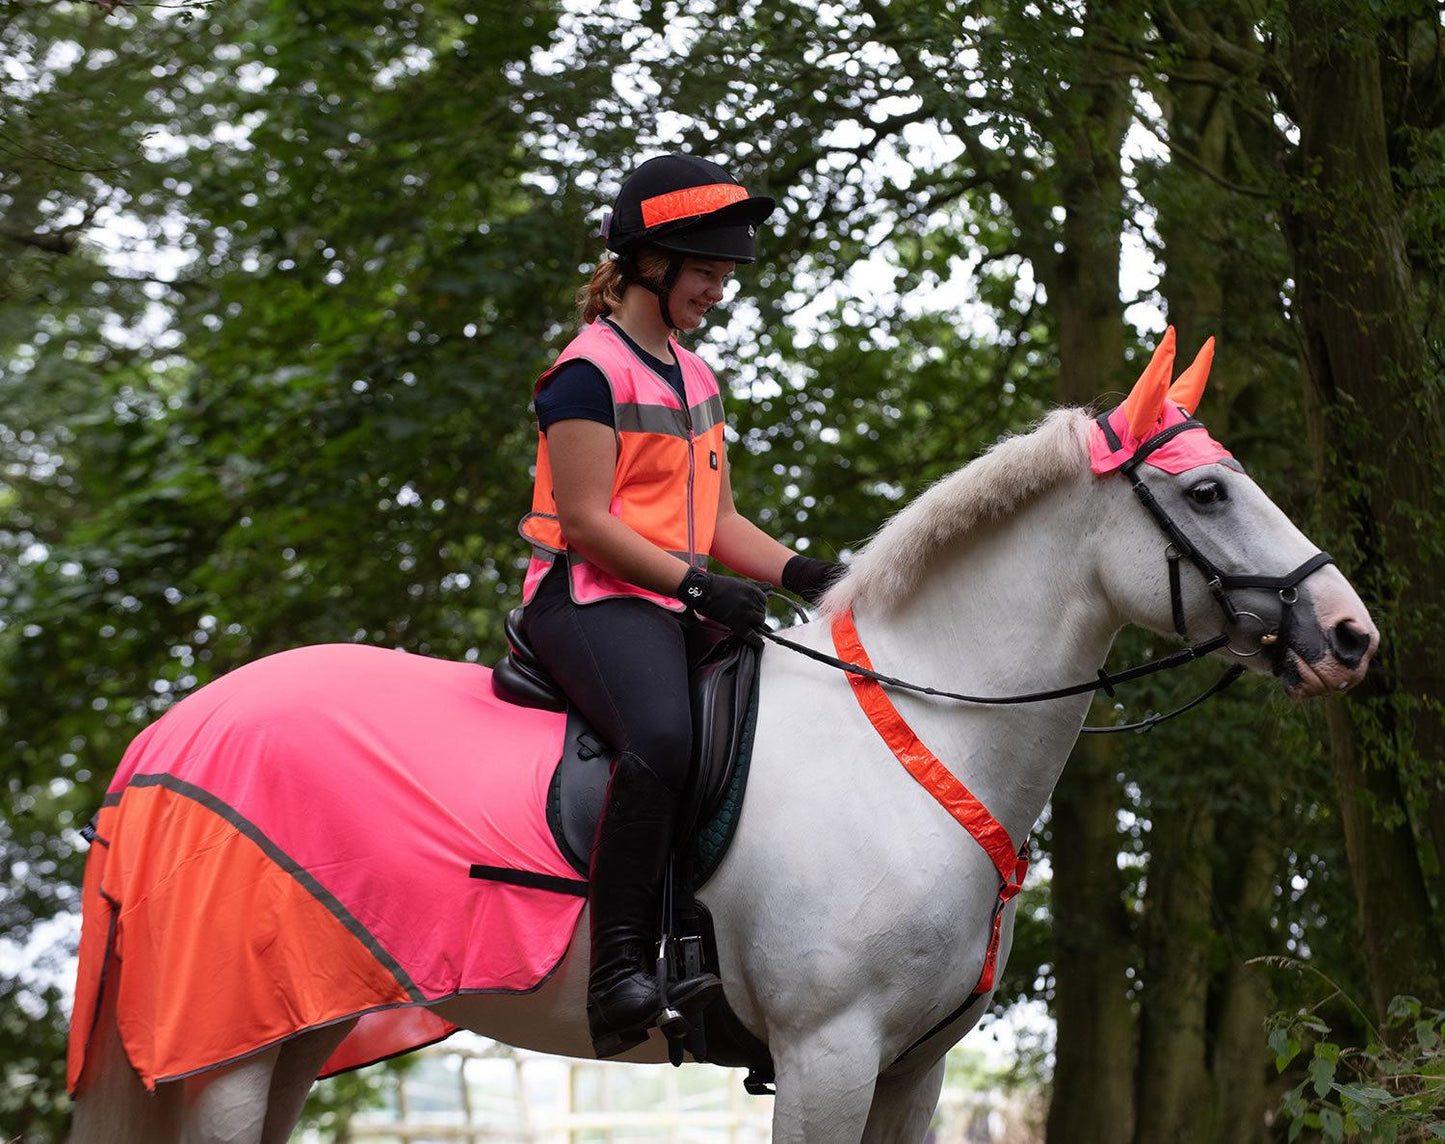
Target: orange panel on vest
(668,478)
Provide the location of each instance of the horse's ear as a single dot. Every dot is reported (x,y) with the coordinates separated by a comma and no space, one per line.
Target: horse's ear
(1146,400)
(1190,387)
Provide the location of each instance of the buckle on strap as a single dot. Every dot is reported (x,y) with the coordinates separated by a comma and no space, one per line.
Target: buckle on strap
(1008,891)
(1011,886)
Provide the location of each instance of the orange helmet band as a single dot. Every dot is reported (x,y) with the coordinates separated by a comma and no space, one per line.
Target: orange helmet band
(690,202)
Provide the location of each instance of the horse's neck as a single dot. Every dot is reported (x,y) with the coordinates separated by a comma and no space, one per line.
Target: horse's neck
(1012,608)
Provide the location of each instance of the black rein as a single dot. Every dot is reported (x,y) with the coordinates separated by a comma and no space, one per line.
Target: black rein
(1105,679)
(1180,547)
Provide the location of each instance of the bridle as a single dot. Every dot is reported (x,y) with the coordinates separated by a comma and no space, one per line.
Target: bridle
(1179,548)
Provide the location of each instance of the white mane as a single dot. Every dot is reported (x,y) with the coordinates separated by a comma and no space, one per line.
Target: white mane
(1010,473)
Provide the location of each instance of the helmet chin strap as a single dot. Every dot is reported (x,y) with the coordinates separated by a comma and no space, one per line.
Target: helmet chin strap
(662,289)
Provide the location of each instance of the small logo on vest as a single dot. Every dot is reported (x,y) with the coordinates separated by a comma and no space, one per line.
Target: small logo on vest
(711,459)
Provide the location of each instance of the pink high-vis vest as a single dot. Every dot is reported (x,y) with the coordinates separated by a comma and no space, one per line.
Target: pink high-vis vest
(668,477)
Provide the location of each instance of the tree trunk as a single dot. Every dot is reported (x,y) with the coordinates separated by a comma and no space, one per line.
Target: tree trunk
(1175,1094)
(1195,869)
(1094,1050)
(1240,1064)
(1382,486)
(1094,1053)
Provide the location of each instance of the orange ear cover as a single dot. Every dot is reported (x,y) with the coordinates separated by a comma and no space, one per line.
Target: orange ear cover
(1146,400)
(1190,387)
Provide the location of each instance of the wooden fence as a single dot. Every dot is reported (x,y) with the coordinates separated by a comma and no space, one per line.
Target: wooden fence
(478,1092)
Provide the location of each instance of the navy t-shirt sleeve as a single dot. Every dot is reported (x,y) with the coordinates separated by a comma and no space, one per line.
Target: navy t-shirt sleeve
(577,390)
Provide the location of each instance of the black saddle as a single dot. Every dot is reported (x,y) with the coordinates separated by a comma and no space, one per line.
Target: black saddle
(724,702)
(724,713)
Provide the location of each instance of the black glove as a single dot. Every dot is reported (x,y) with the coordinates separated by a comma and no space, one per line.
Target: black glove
(741,605)
(809,578)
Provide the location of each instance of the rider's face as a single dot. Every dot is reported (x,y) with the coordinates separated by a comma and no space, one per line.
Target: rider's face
(700,286)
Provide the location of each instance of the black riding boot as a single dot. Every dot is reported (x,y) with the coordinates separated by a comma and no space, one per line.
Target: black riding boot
(629,858)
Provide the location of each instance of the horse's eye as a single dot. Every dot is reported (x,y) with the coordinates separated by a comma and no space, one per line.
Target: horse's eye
(1207,492)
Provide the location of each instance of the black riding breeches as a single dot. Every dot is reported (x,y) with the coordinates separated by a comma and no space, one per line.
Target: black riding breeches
(623,663)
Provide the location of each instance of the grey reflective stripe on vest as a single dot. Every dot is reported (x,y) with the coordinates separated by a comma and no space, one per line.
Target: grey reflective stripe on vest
(661,419)
(533,541)
(706,414)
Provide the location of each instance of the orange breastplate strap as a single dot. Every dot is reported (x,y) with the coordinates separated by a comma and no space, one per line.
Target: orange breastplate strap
(1011,862)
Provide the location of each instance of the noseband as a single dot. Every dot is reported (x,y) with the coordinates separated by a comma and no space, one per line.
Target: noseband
(1219,583)
(1179,548)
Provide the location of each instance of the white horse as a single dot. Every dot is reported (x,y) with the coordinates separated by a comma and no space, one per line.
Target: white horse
(852,912)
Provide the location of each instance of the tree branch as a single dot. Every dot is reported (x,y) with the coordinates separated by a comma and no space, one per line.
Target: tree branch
(61,242)
(1197,165)
(18,149)
(1004,364)
(1208,46)
(1034,223)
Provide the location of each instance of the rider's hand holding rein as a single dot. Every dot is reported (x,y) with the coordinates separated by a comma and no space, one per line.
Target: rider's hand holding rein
(741,605)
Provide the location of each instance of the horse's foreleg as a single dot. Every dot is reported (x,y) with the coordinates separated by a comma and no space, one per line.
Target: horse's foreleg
(301,1058)
(825,1083)
(903,1106)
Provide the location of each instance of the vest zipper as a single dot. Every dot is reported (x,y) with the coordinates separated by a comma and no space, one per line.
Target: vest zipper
(691,470)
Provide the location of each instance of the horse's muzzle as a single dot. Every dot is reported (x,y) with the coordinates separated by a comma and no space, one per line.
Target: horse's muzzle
(1335,659)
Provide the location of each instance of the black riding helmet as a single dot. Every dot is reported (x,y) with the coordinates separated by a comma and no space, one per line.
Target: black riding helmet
(688,207)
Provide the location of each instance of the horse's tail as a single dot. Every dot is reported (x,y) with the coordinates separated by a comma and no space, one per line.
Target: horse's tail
(112,1105)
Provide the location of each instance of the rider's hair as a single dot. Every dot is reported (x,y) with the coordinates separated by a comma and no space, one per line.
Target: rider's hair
(603,293)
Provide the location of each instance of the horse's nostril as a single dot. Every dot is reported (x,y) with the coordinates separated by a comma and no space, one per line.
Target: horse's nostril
(1349,642)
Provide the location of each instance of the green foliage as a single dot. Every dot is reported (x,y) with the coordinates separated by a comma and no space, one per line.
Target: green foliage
(332,1103)
(1387,1087)
(33,1105)
(276,279)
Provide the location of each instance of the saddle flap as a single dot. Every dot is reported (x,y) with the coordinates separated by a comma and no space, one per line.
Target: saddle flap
(579,787)
(722,688)
(722,683)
